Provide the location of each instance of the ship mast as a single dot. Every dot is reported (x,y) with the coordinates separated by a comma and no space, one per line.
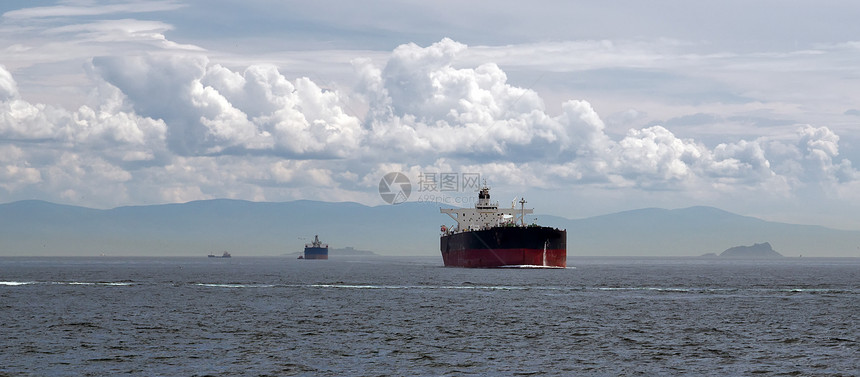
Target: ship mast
(316,242)
(523,211)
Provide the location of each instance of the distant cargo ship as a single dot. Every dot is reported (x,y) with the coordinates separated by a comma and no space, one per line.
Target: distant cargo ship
(486,236)
(225,255)
(316,249)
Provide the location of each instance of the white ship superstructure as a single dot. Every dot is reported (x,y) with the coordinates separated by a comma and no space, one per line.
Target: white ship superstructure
(486,214)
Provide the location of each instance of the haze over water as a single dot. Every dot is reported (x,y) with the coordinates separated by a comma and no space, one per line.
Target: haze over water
(410,316)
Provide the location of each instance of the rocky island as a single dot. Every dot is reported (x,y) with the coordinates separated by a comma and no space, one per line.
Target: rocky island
(759,250)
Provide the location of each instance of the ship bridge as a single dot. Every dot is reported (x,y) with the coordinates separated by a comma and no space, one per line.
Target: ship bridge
(486,214)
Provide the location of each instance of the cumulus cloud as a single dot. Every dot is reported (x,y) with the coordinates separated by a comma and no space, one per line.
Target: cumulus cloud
(657,154)
(8,87)
(15,171)
(213,110)
(180,127)
(820,149)
(106,128)
(423,104)
(69,154)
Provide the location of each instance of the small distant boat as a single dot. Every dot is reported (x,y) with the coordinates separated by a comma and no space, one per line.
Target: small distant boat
(225,255)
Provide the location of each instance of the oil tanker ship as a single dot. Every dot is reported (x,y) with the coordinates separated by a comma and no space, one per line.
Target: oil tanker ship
(316,249)
(486,236)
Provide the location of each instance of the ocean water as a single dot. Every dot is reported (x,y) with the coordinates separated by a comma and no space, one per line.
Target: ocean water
(384,316)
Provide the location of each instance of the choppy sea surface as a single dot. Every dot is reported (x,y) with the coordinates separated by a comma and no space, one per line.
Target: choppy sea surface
(384,316)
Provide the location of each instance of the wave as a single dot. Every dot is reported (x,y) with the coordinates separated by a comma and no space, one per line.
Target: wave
(730,290)
(373,286)
(472,286)
(535,266)
(102,283)
(234,285)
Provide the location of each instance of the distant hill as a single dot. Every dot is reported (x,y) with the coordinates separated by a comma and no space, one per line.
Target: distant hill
(351,251)
(759,250)
(254,228)
(202,227)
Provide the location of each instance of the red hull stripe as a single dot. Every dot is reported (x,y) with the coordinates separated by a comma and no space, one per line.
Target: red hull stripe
(505,257)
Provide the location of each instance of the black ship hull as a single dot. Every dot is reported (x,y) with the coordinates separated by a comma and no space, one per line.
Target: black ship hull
(506,246)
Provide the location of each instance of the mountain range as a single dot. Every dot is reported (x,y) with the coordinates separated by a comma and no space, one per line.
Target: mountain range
(33,228)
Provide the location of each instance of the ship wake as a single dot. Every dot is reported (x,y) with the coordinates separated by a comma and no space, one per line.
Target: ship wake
(533,266)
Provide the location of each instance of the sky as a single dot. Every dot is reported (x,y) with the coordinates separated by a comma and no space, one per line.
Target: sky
(581,108)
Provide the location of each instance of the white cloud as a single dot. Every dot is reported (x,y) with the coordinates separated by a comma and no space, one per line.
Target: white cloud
(8,87)
(421,104)
(179,127)
(120,32)
(819,147)
(656,154)
(76,156)
(440,110)
(105,128)
(15,171)
(743,159)
(85,8)
(213,110)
